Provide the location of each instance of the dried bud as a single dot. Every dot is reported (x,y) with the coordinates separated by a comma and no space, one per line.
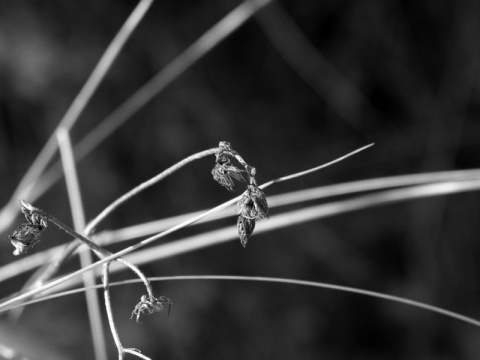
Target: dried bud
(245,229)
(25,237)
(223,175)
(253,204)
(222,157)
(151,305)
(225,145)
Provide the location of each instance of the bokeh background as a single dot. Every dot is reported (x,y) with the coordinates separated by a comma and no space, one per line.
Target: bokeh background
(300,84)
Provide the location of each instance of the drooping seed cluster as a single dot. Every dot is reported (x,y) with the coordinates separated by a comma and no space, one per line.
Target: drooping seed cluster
(27,235)
(252,206)
(151,305)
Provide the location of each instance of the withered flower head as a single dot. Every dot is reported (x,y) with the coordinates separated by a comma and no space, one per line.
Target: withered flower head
(225,145)
(151,305)
(25,237)
(222,157)
(245,229)
(224,173)
(253,204)
(28,234)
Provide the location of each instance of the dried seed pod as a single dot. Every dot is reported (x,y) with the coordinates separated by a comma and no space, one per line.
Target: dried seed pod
(253,204)
(25,237)
(223,174)
(245,229)
(151,305)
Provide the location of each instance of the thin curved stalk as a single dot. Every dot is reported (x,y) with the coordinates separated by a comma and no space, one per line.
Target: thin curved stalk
(182,246)
(108,307)
(98,250)
(145,185)
(46,272)
(34,260)
(41,276)
(335,287)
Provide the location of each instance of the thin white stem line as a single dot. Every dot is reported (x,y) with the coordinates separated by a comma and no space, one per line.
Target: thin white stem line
(108,307)
(55,263)
(295,197)
(98,250)
(183,246)
(306,172)
(145,185)
(34,260)
(146,241)
(323,285)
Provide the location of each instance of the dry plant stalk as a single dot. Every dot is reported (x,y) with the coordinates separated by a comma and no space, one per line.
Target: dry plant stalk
(251,207)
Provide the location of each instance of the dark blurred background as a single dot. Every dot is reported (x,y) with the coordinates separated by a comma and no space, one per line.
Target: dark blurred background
(300,84)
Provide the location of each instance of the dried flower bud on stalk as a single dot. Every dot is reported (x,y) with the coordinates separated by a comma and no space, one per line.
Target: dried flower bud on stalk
(245,229)
(252,206)
(223,171)
(27,235)
(151,305)
(223,175)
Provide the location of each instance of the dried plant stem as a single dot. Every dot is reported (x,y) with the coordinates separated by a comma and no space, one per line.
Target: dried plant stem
(113,328)
(108,306)
(101,253)
(152,239)
(135,191)
(98,250)
(335,287)
(275,222)
(309,171)
(48,271)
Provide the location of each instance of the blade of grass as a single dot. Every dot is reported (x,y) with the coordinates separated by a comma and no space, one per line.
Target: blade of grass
(40,275)
(32,261)
(25,187)
(297,217)
(335,287)
(295,197)
(279,221)
(56,262)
